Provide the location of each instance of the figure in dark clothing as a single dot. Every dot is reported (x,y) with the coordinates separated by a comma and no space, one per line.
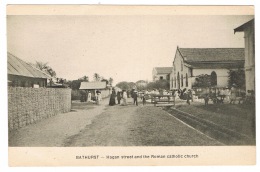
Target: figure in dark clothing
(143,99)
(189,97)
(135,98)
(206,99)
(118,95)
(112,100)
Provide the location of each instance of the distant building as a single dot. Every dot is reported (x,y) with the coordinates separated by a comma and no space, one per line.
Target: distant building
(22,74)
(94,86)
(249,30)
(216,62)
(160,73)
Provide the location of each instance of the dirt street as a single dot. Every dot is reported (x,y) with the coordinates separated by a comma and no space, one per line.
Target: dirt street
(103,125)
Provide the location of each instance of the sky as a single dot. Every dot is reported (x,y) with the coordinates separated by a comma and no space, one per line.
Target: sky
(125,48)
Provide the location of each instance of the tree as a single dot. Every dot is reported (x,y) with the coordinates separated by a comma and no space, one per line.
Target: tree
(236,77)
(123,85)
(160,84)
(104,80)
(96,77)
(45,68)
(202,81)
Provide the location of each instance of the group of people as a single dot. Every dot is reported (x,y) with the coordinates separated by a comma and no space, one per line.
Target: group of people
(120,95)
(87,96)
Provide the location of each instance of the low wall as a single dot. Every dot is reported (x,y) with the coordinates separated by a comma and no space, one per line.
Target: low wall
(29,105)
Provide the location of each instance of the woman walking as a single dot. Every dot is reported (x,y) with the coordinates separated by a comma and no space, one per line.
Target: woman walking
(112,100)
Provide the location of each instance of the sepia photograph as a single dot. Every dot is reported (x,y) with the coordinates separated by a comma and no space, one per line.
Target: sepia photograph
(101,80)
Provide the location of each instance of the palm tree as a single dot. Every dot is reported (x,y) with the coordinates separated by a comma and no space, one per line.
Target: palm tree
(96,77)
(85,78)
(44,67)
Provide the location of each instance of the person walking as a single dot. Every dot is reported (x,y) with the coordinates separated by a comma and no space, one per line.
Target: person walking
(124,98)
(143,99)
(118,95)
(188,95)
(112,100)
(135,98)
(233,95)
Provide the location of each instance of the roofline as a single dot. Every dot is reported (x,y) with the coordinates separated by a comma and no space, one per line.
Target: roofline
(241,27)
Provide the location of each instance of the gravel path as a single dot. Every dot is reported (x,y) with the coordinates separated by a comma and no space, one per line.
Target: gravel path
(53,131)
(103,125)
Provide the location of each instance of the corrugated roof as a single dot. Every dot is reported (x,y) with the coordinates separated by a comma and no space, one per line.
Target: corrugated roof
(16,66)
(212,54)
(245,25)
(92,85)
(163,70)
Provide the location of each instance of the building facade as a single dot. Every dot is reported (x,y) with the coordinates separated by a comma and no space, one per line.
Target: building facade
(189,63)
(160,73)
(249,35)
(22,74)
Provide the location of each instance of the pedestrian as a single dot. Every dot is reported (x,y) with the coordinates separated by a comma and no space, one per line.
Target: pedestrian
(112,100)
(124,98)
(89,96)
(206,99)
(135,98)
(192,95)
(143,99)
(98,98)
(118,95)
(188,96)
(233,95)
(222,95)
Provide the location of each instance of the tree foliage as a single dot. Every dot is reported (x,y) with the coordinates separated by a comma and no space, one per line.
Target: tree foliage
(236,77)
(123,85)
(160,84)
(96,77)
(45,68)
(202,81)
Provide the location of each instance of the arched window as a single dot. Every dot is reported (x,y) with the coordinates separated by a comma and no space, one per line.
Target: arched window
(178,81)
(213,78)
(181,80)
(175,82)
(172,82)
(187,82)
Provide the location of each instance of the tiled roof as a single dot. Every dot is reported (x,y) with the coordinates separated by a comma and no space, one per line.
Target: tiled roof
(92,85)
(16,66)
(163,70)
(212,54)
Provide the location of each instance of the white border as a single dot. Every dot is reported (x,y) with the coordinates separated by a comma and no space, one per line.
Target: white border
(3,78)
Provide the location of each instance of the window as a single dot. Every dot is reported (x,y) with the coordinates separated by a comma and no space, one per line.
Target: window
(187,82)
(181,66)
(213,78)
(182,80)
(161,77)
(175,85)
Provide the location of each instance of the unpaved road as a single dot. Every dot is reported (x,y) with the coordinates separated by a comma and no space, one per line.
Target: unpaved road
(103,125)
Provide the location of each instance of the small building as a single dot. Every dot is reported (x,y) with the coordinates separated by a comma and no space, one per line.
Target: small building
(160,73)
(22,74)
(249,35)
(94,86)
(189,63)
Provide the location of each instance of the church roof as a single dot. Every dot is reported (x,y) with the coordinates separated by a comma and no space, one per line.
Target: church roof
(212,54)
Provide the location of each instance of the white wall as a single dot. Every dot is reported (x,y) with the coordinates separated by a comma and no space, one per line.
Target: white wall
(222,75)
(180,67)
